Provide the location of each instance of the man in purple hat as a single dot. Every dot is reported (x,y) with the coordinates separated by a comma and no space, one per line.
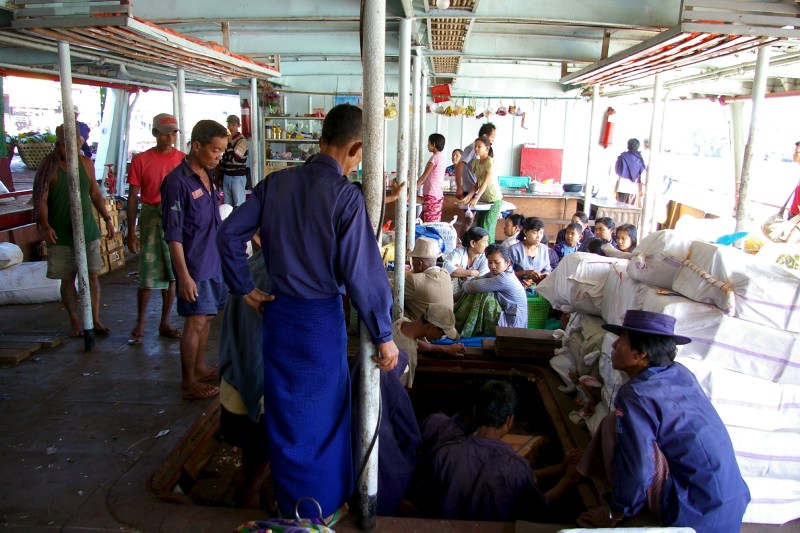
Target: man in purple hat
(671,451)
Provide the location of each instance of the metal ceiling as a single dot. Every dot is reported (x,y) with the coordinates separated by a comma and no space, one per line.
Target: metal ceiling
(514,48)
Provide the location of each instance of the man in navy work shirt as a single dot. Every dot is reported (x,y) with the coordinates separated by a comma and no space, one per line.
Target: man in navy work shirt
(190,212)
(306,379)
(672,452)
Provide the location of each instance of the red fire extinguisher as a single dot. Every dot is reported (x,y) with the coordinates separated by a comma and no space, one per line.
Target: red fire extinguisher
(608,128)
(246,118)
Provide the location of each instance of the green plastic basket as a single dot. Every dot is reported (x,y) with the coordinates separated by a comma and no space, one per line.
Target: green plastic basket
(538,310)
(514,182)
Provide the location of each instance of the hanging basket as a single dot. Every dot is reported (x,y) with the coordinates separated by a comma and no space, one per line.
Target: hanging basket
(32,154)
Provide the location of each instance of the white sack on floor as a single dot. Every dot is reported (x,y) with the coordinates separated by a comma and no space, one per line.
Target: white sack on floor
(600,412)
(612,379)
(658,258)
(727,342)
(773,501)
(774,454)
(10,254)
(582,336)
(747,401)
(619,295)
(741,285)
(27,283)
(577,282)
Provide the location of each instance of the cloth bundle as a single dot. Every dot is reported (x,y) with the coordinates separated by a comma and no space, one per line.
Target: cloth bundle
(658,258)
(578,282)
(741,285)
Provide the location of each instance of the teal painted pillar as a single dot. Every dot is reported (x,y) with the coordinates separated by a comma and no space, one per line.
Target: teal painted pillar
(3,147)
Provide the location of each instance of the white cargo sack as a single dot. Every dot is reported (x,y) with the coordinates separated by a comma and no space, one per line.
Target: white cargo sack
(577,282)
(726,342)
(658,258)
(741,285)
(27,283)
(10,254)
(619,295)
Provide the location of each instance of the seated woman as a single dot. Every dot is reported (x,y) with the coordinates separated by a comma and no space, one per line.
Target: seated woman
(531,258)
(496,299)
(468,262)
(603,229)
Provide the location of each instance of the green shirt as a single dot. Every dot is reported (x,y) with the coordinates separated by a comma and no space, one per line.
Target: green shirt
(482,168)
(58,208)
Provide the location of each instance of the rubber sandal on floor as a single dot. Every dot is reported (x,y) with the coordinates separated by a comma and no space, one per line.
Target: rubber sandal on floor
(172,333)
(214,374)
(201,391)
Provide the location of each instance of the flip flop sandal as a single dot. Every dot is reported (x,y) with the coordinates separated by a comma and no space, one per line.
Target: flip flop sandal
(201,392)
(172,333)
(214,374)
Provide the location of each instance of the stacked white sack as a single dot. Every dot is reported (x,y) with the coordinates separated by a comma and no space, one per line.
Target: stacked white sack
(583,335)
(658,258)
(27,283)
(747,401)
(619,294)
(612,379)
(577,283)
(726,342)
(773,501)
(741,285)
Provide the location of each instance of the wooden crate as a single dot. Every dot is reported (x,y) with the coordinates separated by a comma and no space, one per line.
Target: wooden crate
(107,245)
(525,344)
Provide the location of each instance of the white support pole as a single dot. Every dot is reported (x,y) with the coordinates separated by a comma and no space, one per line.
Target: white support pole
(648,223)
(401,205)
(423,118)
(374,64)
(122,119)
(759,89)
(587,192)
(125,143)
(256,146)
(183,138)
(76,210)
(413,163)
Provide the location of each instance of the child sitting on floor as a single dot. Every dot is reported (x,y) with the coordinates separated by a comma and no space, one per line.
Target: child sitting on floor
(496,299)
(572,239)
(626,242)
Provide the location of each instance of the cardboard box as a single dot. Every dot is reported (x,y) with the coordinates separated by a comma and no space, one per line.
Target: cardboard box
(114,259)
(525,344)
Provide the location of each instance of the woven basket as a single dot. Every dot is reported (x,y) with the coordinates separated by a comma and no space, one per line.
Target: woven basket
(538,310)
(32,154)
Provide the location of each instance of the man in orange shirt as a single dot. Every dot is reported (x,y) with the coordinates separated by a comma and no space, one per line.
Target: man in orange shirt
(147,171)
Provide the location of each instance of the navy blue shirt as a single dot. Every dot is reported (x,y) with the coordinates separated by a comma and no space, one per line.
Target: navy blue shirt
(317,241)
(190,215)
(665,406)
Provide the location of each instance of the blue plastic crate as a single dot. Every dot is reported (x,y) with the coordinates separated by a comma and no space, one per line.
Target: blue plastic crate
(514,182)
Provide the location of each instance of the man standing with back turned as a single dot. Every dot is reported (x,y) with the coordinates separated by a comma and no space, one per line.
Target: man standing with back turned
(147,171)
(306,382)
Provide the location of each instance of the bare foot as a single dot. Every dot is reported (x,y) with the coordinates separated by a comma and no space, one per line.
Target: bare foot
(210,375)
(100,328)
(76,333)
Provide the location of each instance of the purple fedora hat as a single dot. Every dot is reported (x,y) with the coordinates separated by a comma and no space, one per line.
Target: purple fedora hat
(648,322)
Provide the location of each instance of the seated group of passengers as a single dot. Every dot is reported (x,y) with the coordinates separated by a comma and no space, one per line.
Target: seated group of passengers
(482,274)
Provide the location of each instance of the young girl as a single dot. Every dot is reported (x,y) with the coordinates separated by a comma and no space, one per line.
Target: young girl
(455,157)
(626,238)
(496,299)
(432,181)
(469,261)
(488,187)
(572,239)
(603,229)
(511,226)
(531,258)
(625,242)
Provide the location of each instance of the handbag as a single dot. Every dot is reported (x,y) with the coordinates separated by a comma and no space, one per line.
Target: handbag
(777,229)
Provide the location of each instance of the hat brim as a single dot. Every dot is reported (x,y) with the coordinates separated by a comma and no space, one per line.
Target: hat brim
(166,129)
(425,256)
(451,333)
(679,339)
